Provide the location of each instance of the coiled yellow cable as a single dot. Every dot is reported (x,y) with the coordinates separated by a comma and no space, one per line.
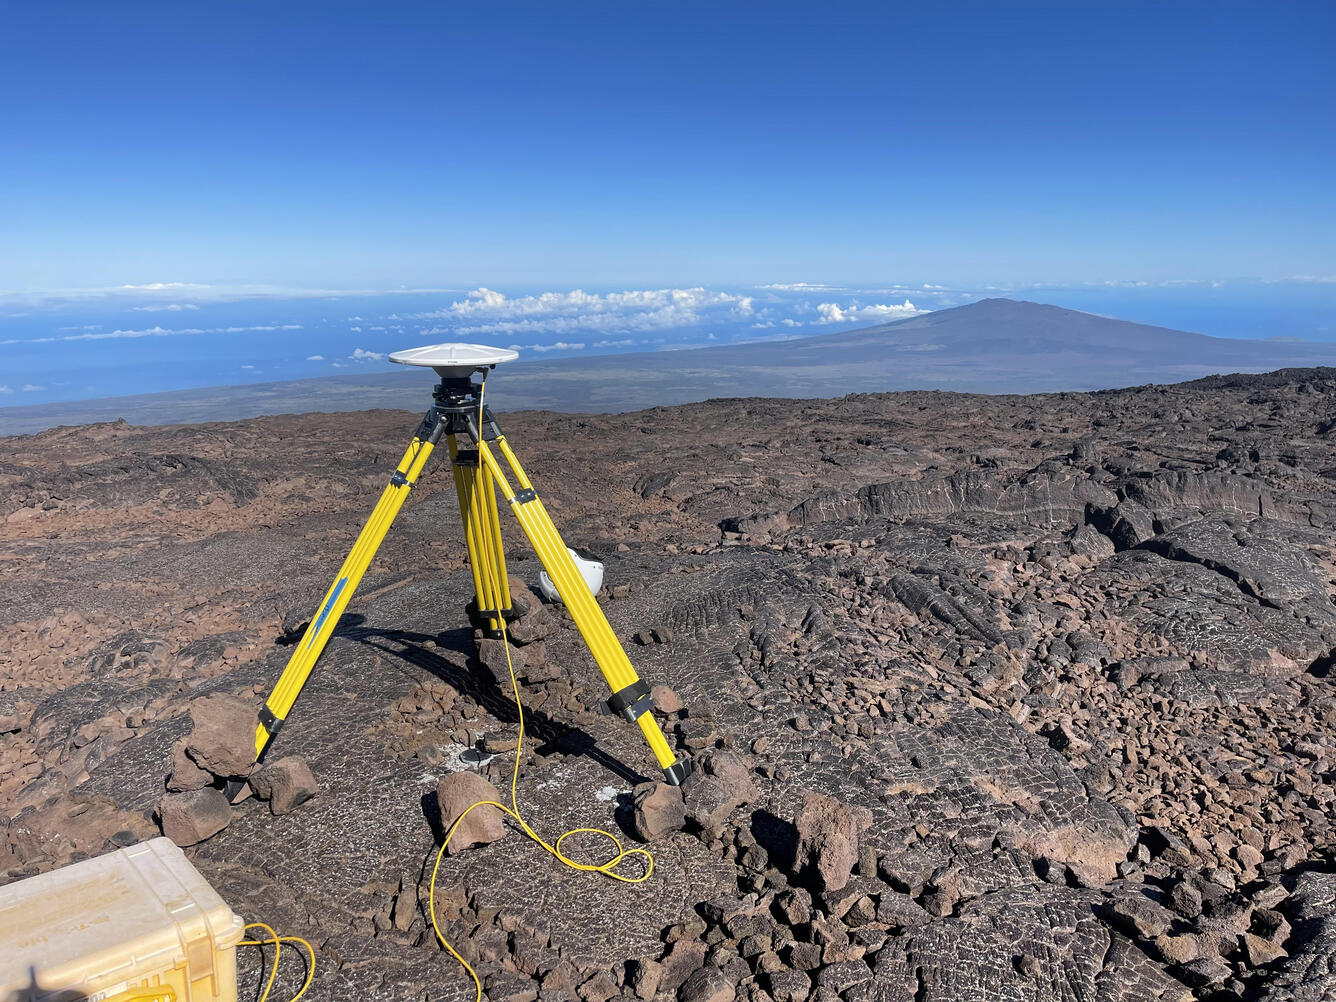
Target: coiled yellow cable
(277,941)
(608,869)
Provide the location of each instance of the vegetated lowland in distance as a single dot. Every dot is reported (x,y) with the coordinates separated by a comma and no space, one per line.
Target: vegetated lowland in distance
(992,346)
(1021,697)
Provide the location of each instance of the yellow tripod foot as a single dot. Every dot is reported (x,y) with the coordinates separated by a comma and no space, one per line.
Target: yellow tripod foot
(630,695)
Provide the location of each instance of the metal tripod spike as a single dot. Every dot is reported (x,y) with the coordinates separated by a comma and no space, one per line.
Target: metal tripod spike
(458,412)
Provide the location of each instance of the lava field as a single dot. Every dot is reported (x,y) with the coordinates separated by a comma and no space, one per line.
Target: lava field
(990,697)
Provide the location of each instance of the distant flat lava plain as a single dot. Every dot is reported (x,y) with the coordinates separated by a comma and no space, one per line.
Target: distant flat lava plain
(994,697)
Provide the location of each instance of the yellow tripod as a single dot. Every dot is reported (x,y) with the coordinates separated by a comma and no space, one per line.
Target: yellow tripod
(458,413)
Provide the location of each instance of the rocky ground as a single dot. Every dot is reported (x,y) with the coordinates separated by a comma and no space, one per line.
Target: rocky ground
(992,697)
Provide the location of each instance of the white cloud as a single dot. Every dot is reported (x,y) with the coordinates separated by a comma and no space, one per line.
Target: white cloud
(164,308)
(154,331)
(315,358)
(5,389)
(833,313)
(559,346)
(623,343)
(796,286)
(362,355)
(486,311)
(32,388)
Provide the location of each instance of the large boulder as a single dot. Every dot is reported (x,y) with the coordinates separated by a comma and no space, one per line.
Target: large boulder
(455,794)
(222,739)
(188,818)
(828,839)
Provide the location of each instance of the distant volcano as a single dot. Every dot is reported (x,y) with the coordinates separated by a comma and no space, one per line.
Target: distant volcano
(1012,346)
(992,346)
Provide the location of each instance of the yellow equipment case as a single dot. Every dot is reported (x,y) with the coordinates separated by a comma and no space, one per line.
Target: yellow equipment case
(140,923)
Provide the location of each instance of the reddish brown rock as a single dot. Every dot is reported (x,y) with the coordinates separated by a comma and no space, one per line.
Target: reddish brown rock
(188,818)
(78,823)
(828,839)
(455,794)
(223,737)
(534,621)
(645,977)
(659,811)
(285,784)
(666,700)
(185,774)
(525,660)
(721,784)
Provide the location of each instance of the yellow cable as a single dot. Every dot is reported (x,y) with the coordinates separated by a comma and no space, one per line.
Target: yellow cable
(607,869)
(277,941)
(166,993)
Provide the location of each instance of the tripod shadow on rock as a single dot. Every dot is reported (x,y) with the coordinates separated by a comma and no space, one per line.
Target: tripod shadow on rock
(475,681)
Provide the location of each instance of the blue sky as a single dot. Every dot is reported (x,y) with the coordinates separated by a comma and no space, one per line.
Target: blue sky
(651,145)
(203,194)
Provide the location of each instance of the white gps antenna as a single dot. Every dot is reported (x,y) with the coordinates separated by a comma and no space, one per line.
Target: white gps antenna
(454,360)
(457,360)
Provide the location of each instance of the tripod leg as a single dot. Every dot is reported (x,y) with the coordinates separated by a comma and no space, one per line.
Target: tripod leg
(630,695)
(498,551)
(463,473)
(477,506)
(322,626)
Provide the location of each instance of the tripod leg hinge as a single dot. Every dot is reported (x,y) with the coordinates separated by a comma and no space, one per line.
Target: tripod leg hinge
(429,422)
(490,430)
(677,773)
(630,703)
(269,721)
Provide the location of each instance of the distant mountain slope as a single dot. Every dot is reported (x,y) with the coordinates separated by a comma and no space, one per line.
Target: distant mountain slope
(1009,346)
(992,346)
